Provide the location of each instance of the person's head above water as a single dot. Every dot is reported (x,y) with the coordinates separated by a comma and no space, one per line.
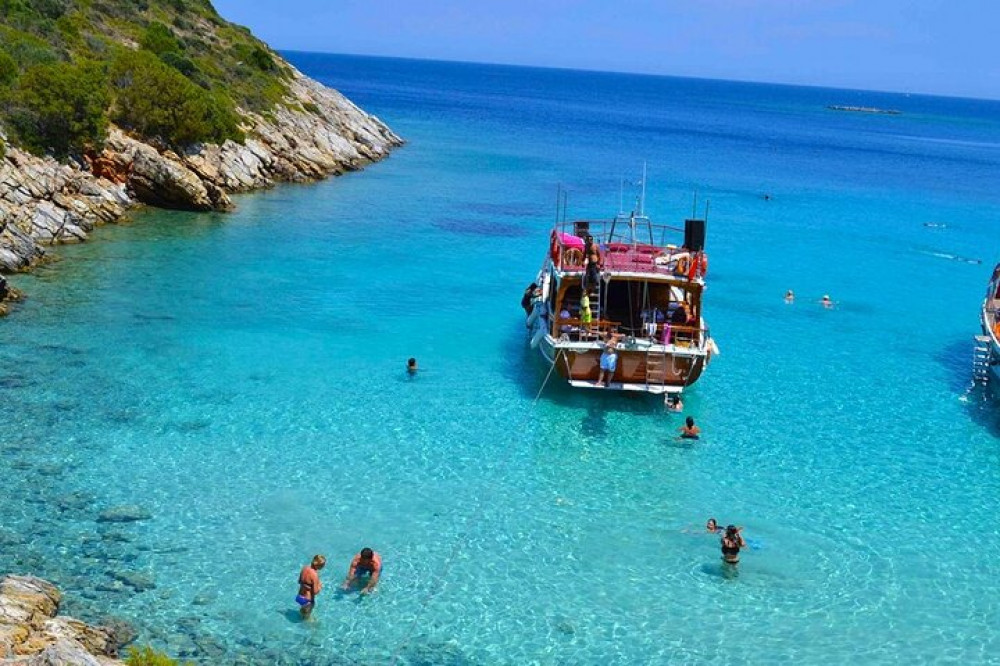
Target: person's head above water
(367,554)
(731,530)
(318,562)
(689,421)
(712,525)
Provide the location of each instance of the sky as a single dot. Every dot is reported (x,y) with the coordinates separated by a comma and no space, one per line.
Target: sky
(918,46)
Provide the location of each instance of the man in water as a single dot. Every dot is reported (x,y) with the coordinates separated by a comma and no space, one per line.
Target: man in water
(309,586)
(411,366)
(366,566)
(826,302)
(689,430)
(529,294)
(789,296)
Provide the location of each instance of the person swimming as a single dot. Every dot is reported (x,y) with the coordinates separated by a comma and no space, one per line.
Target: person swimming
(689,430)
(674,403)
(713,526)
(411,366)
(826,302)
(789,296)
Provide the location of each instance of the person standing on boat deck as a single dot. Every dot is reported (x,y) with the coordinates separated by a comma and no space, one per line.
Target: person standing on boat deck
(592,263)
(609,361)
(529,294)
(366,565)
(309,586)
(586,316)
(732,542)
(689,430)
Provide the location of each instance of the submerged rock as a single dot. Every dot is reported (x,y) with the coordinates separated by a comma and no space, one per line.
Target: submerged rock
(127,513)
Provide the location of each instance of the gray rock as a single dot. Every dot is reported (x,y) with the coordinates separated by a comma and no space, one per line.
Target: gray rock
(126,513)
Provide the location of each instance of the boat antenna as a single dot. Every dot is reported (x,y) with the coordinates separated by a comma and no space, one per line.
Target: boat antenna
(694,204)
(707,203)
(642,197)
(621,195)
(565,204)
(558,202)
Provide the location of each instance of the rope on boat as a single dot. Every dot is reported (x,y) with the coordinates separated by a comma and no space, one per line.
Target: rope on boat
(461,541)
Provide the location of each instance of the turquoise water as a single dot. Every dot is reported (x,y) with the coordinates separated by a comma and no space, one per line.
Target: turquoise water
(241,377)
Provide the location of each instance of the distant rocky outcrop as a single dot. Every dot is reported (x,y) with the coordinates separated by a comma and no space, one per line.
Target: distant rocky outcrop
(316,133)
(32,633)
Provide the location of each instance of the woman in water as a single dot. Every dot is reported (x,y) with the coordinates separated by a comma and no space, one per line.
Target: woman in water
(689,430)
(712,526)
(732,542)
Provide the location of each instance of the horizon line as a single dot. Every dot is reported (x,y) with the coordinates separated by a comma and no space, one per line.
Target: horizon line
(908,93)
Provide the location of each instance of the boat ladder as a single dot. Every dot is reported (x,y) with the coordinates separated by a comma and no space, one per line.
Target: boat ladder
(981,359)
(656,368)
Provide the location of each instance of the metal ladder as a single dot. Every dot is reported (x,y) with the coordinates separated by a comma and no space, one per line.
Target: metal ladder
(981,359)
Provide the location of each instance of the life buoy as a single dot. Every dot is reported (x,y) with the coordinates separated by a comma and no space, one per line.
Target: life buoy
(572,257)
(536,339)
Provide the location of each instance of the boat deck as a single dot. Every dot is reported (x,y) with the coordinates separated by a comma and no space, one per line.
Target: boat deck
(626,258)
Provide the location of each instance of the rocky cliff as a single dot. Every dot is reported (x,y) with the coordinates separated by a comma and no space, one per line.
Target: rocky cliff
(316,133)
(31,633)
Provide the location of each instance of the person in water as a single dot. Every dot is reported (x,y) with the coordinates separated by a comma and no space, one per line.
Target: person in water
(674,403)
(826,302)
(732,542)
(309,586)
(689,430)
(366,566)
(789,296)
(411,366)
(713,526)
(529,294)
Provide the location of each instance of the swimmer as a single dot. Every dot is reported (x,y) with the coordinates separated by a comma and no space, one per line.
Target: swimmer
(309,586)
(713,526)
(673,403)
(732,541)
(689,430)
(789,296)
(826,302)
(366,565)
(411,366)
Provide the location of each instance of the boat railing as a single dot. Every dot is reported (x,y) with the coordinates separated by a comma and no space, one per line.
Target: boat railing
(619,252)
(678,336)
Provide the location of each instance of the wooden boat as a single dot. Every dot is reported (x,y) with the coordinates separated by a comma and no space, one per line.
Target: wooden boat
(986,359)
(645,295)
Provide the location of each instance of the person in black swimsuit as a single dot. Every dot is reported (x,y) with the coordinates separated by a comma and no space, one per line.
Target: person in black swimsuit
(526,299)
(592,261)
(732,542)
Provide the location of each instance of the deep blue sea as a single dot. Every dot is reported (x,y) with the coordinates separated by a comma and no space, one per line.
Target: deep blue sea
(241,377)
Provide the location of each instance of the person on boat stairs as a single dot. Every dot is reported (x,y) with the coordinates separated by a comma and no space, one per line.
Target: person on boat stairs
(592,263)
(609,361)
(732,542)
(309,586)
(689,430)
(365,567)
(529,294)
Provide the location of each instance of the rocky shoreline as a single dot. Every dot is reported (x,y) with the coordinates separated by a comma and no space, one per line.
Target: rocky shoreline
(317,133)
(33,634)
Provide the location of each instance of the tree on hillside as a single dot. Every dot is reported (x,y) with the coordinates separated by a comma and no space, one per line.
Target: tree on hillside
(61,108)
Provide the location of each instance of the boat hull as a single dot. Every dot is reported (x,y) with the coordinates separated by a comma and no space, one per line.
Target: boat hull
(651,370)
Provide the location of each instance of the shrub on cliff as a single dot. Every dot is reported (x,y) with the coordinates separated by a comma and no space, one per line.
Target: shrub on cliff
(156,101)
(60,108)
(8,69)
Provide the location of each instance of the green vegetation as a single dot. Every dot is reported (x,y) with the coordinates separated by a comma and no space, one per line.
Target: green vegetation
(170,71)
(147,656)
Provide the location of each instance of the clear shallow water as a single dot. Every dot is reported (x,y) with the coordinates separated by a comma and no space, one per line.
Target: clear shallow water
(241,377)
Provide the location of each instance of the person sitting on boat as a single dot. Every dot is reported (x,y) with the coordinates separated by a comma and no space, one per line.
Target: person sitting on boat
(689,430)
(609,360)
(592,263)
(565,328)
(526,300)
(366,566)
(732,542)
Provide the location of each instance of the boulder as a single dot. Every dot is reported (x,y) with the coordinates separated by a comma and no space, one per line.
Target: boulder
(126,513)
